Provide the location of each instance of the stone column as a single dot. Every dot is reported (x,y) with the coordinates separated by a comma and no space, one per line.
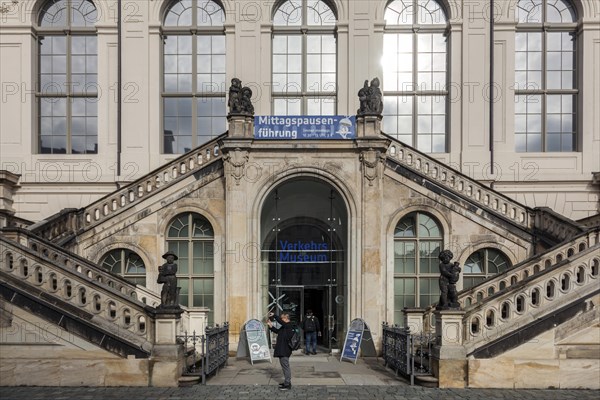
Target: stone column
(449,355)
(167,359)
(413,319)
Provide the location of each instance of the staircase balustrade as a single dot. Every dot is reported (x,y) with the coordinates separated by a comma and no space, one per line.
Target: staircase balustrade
(459,183)
(111,301)
(538,295)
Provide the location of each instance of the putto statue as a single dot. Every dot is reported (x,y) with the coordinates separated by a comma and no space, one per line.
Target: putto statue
(167,275)
(449,275)
(370,98)
(240,98)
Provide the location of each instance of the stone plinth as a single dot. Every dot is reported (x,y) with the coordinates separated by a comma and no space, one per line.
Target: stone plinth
(167,359)
(449,355)
(241,125)
(413,319)
(166,325)
(368,125)
(449,327)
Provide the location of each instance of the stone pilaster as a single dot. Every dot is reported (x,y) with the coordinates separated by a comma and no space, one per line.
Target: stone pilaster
(372,157)
(8,189)
(449,355)
(236,153)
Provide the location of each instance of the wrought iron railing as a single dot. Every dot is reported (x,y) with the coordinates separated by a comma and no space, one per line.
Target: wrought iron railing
(210,351)
(407,354)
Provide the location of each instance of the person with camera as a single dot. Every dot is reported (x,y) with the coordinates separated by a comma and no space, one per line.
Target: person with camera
(282,348)
(311,328)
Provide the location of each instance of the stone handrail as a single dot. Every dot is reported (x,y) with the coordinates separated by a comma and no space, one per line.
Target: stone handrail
(537,296)
(154,181)
(558,227)
(70,221)
(457,182)
(80,286)
(528,268)
(51,252)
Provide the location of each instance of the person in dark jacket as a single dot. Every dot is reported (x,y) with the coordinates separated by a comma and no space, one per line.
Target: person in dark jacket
(282,348)
(311,328)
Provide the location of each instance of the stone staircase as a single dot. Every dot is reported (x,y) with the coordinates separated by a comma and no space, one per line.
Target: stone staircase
(535,295)
(73,293)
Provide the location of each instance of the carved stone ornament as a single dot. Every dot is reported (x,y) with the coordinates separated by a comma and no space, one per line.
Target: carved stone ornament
(372,164)
(8,6)
(235,161)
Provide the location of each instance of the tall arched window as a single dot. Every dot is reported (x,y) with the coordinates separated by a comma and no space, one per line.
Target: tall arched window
(191,237)
(482,264)
(415,74)
(67,87)
(418,240)
(193,74)
(304,58)
(545,76)
(126,263)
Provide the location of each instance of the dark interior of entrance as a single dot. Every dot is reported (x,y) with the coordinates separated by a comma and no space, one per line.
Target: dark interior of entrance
(303,251)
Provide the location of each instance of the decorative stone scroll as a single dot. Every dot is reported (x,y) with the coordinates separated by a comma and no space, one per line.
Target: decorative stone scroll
(372,164)
(235,162)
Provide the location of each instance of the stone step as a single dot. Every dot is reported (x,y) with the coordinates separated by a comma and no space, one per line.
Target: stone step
(428,381)
(188,380)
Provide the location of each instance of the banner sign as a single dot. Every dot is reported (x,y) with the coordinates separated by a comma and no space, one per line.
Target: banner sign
(257,341)
(303,127)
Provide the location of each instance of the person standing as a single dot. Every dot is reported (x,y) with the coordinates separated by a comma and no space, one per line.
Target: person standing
(282,348)
(311,328)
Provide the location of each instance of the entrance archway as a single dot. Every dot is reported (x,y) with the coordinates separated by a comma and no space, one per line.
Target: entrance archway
(304,234)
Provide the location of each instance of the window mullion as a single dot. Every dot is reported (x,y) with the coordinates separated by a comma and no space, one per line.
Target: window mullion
(195,90)
(69,92)
(304,68)
(415,85)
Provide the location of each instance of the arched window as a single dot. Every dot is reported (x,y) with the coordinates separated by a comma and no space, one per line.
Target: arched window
(193,74)
(67,87)
(482,264)
(191,237)
(545,76)
(126,263)
(304,58)
(418,240)
(415,74)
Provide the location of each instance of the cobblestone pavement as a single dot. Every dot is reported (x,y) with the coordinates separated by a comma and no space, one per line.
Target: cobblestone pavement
(271,392)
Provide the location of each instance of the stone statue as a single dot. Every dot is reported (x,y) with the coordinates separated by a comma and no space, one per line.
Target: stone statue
(169,294)
(449,275)
(240,98)
(370,98)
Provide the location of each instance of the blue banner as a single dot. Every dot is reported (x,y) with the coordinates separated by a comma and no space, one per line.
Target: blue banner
(303,127)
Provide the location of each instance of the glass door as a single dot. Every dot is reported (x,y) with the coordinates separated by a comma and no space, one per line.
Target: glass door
(289,299)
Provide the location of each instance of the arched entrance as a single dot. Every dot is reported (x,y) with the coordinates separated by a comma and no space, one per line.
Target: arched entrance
(304,233)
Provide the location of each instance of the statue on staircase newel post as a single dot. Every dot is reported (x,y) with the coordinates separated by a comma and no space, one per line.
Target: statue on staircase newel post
(240,99)
(167,275)
(370,98)
(449,275)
